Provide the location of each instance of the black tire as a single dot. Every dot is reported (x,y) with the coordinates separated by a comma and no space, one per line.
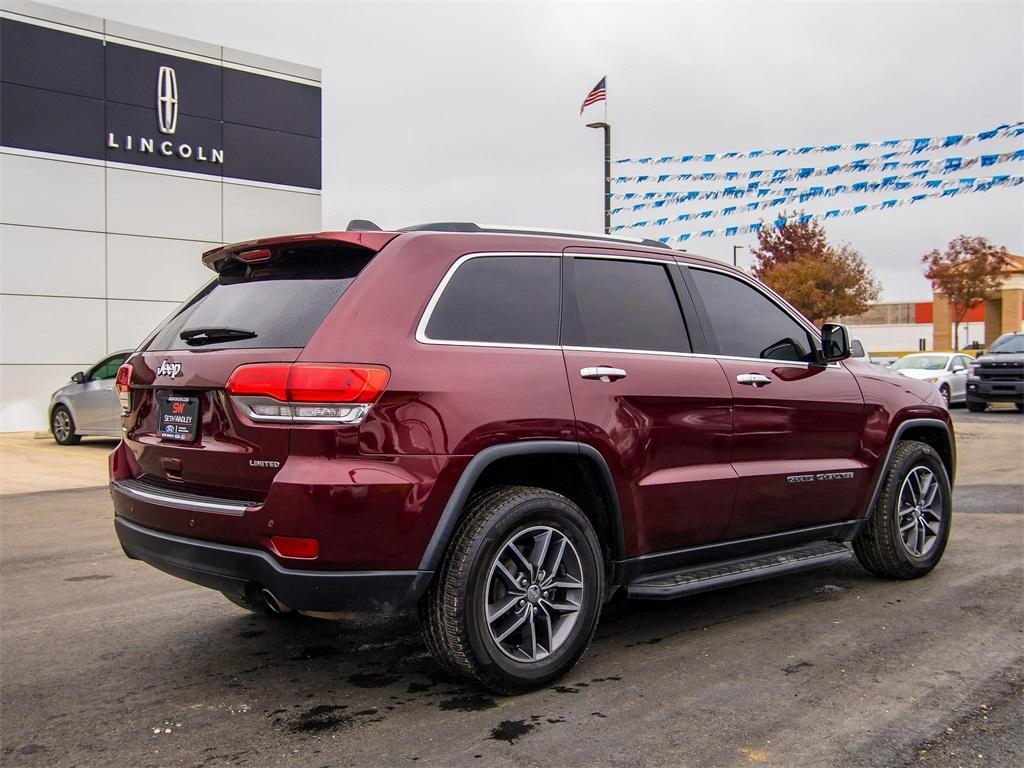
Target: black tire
(1020,407)
(976,406)
(62,427)
(944,391)
(879,546)
(453,612)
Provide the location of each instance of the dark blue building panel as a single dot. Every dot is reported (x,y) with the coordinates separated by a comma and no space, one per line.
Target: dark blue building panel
(49,121)
(266,102)
(49,59)
(271,156)
(70,94)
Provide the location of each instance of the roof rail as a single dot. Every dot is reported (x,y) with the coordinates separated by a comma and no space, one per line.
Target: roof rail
(468,226)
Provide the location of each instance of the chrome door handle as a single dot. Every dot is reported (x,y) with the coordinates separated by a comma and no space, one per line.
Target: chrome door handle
(603,373)
(754,379)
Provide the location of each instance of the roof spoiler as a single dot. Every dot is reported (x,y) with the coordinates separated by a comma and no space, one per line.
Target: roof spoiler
(217,258)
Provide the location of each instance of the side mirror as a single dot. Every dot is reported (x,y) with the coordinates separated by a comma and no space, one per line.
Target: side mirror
(959,368)
(78,377)
(835,343)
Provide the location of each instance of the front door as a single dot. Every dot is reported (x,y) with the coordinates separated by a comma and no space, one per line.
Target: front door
(796,424)
(659,415)
(958,378)
(96,405)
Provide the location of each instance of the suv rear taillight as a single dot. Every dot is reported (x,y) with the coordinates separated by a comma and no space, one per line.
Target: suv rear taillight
(123,386)
(308,393)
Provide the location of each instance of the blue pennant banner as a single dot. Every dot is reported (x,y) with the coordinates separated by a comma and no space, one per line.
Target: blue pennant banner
(766,195)
(781,175)
(896,146)
(882,205)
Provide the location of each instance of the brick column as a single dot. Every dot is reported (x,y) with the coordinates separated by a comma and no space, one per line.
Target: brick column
(1013,300)
(993,320)
(942,322)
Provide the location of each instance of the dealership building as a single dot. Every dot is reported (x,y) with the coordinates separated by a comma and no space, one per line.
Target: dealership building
(124,154)
(895,328)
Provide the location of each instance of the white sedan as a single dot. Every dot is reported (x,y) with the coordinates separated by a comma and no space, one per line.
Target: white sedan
(946,371)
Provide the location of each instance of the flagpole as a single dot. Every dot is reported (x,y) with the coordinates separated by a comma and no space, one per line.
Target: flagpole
(607,202)
(607,177)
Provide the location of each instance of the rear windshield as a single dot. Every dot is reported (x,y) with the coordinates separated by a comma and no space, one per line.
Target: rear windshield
(273,305)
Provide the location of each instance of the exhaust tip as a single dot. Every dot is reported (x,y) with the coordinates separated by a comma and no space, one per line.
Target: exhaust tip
(272,602)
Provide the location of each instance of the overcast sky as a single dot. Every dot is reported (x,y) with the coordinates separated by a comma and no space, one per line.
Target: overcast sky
(471,111)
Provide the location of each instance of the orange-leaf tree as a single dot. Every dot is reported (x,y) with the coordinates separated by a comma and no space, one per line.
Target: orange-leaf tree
(819,279)
(967,272)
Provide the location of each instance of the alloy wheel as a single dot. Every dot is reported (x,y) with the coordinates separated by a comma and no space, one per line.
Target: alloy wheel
(534,593)
(920,517)
(61,425)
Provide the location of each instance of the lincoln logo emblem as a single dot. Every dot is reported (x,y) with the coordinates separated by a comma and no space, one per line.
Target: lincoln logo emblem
(167,100)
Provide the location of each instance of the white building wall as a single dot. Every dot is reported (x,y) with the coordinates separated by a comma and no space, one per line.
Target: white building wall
(906,338)
(94,255)
(110,265)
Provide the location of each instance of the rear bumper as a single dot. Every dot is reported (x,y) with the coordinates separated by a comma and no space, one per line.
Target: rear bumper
(235,570)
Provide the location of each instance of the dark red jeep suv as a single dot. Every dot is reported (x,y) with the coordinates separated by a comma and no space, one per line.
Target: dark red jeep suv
(502,429)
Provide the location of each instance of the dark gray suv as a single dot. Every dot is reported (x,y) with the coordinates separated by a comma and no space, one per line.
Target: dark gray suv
(998,375)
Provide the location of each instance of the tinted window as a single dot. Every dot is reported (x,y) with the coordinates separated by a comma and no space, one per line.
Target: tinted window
(747,323)
(857,349)
(281,302)
(107,369)
(500,299)
(625,305)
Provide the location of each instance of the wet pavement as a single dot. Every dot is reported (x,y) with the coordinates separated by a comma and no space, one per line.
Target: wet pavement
(105,661)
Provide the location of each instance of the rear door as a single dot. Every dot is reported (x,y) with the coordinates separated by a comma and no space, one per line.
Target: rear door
(258,312)
(797,425)
(659,415)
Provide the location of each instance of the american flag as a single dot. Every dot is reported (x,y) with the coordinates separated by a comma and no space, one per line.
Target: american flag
(597,93)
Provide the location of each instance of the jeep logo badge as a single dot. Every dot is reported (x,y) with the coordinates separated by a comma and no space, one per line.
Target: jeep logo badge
(168,369)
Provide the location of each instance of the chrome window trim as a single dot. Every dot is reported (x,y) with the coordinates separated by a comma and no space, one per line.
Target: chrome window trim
(652,259)
(788,363)
(613,350)
(421,329)
(422,338)
(773,297)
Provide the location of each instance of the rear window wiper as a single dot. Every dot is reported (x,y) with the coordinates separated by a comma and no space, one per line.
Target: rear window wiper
(198,336)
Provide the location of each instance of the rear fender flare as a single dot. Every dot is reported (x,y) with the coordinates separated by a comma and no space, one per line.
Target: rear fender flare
(449,520)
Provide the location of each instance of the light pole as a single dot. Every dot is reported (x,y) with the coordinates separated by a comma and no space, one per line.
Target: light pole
(735,248)
(607,174)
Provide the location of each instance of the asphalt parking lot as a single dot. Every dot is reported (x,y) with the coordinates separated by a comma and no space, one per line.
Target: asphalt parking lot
(105,661)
